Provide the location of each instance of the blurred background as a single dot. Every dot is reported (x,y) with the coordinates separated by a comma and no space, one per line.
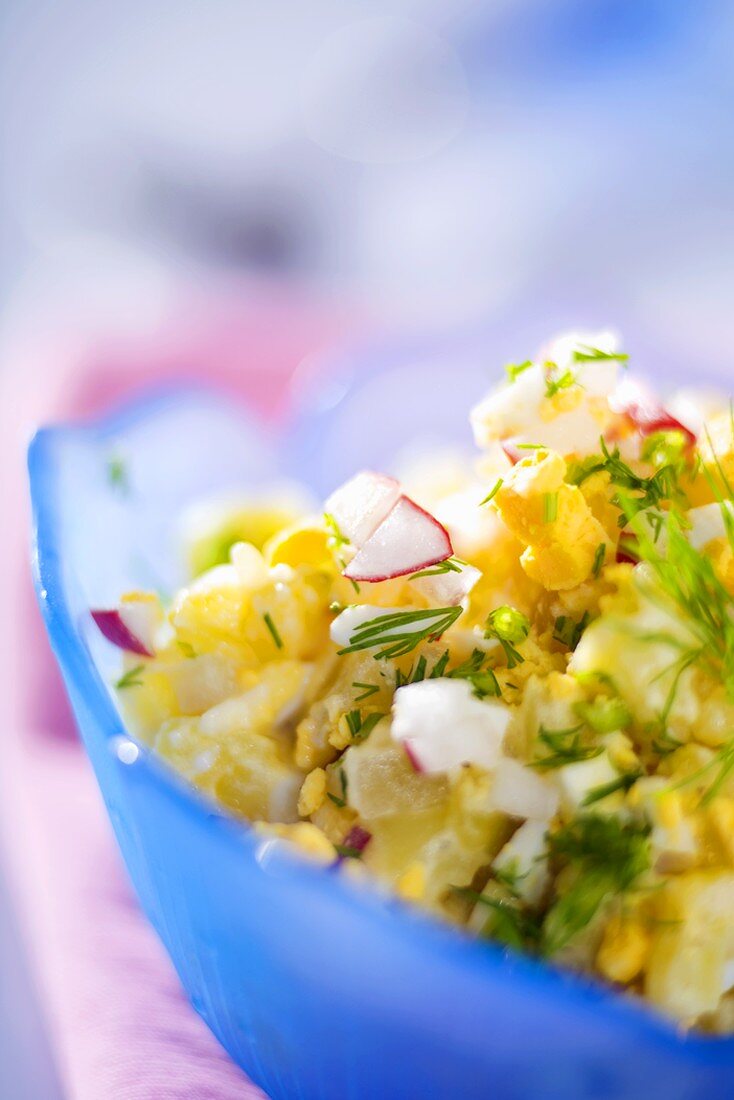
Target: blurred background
(532,163)
(231,188)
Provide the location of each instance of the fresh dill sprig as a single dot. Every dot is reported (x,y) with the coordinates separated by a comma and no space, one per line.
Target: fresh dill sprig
(637,492)
(450,565)
(509,922)
(687,579)
(131,678)
(565,746)
(608,856)
(722,764)
(621,783)
(268,620)
(399,632)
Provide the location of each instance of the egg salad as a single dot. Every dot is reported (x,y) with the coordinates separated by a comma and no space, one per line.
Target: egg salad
(502,687)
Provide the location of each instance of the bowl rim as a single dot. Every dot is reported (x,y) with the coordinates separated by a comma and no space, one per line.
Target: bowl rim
(574,992)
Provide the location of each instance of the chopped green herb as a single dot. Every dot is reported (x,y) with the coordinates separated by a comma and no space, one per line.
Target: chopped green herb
(131,678)
(621,783)
(483,680)
(636,493)
(335,535)
(509,922)
(722,764)
(568,632)
(599,557)
(558,380)
(588,354)
(565,746)
(267,618)
(492,492)
(399,632)
(608,856)
(665,448)
(605,715)
(348,853)
(510,627)
(440,666)
(450,565)
(550,507)
(336,541)
(340,802)
(187,649)
(360,728)
(366,690)
(514,370)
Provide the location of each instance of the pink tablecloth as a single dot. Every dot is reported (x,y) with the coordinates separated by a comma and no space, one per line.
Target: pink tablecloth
(119,1024)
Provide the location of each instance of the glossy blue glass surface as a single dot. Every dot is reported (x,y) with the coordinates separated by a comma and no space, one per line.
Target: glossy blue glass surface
(318,988)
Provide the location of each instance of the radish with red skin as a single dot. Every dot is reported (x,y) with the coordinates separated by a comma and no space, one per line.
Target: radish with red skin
(361,504)
(357,839)
(122,627)
(442,725)
(408,540)
(645,412)
(413,757)
(512,451)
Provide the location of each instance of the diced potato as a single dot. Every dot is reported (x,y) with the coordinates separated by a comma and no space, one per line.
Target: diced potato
(383,783)
(248,772)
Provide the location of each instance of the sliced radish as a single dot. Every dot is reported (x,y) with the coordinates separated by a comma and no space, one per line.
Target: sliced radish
(362,503)
(512,451)
(413,757)
(645,412)
(408,539)
(696,406)
(443,725)
(627,550)
(448,589)
(130,627)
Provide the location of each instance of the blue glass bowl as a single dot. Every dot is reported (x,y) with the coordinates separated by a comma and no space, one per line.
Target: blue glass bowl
(317,987)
